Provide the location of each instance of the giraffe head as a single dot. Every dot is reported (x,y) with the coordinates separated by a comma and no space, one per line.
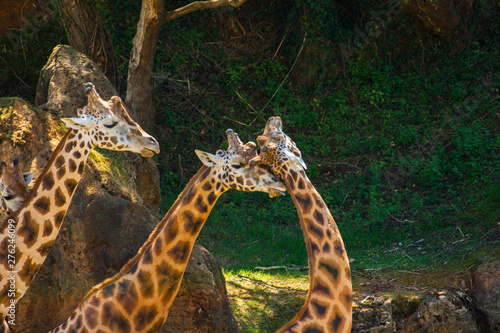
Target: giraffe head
(235,170)
(14,186)
(276,148)
(109,126)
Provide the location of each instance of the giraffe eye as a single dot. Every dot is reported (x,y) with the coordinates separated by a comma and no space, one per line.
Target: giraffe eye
(236,166)
(8,197)
(113,124)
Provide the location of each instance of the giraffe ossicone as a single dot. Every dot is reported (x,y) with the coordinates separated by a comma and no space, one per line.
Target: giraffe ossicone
(139,297)
(104,124)
(328,305)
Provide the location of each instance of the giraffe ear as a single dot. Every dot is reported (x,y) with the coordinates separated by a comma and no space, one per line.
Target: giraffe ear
(207,158)
(295,159)
(28,177)
(78,123)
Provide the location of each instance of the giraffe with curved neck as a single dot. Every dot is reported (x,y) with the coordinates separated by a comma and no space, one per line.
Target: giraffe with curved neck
(139,297)
(36,223)
(328,305)
(13,187)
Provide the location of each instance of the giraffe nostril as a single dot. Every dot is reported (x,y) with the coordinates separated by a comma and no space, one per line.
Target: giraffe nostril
(88,87)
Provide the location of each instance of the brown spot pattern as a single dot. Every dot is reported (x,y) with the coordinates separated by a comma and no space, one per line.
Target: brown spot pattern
(42,205)
(168,279)
(59,162)
(29,230)
(200,204)
(70,184)
(27,273)
(158,246)
(81,166)
(59,197)
(144,316)
(114,319)
(48,182)
(146,284)
(44,249)
(61,172)
(318,217)
(90,317)
(180,252)
(171,230)
(126,295)
(59,218)
(72,165)
(192,225)
(304,202)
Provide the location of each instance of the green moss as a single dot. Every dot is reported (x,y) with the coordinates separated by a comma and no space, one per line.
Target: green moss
(10,128)
(115,172)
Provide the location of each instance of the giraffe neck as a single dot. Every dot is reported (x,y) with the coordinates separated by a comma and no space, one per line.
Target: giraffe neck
(139,297)
(328,305)
(38,221)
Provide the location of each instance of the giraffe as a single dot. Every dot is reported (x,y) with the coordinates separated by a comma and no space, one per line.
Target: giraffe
(328,305)
(27,236)
(14,191)
(13,187)
(139,297)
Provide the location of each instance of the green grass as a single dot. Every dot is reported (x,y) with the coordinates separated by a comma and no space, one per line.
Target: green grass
(261,301)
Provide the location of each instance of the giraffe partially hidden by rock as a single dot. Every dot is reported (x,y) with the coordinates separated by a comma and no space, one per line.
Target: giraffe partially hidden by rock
(328,305)
(13,187)
(35,225)
(139,297)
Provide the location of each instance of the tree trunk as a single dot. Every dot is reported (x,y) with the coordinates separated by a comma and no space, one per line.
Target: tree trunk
(140,95)
(87,34)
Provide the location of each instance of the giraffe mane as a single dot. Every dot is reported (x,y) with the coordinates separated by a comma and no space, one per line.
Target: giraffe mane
(45,170)
(150,240)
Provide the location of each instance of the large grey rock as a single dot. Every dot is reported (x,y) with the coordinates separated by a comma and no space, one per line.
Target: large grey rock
(60,91)
(442,312)
(486,282)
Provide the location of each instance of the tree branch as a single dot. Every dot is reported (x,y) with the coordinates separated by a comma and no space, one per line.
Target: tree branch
(198,5)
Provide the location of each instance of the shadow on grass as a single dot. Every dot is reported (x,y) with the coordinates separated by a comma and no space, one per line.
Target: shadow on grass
(265,302)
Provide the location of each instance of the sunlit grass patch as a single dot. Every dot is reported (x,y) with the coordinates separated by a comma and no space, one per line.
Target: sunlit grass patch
(263,301)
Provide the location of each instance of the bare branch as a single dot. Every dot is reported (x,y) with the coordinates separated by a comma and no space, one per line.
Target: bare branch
(198,5)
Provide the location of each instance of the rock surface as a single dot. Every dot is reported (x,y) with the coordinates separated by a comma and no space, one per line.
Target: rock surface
(486,283)
(60,91)
(101,232)
(443,311)
(374,317)
(203,296)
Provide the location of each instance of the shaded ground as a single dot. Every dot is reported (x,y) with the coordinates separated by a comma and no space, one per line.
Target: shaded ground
(263,301)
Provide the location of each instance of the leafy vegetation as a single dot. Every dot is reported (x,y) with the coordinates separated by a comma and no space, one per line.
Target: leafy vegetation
(399,131)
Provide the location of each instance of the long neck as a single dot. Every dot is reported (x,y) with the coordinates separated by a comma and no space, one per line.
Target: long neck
(139,297)
(328,306)
(34,227)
